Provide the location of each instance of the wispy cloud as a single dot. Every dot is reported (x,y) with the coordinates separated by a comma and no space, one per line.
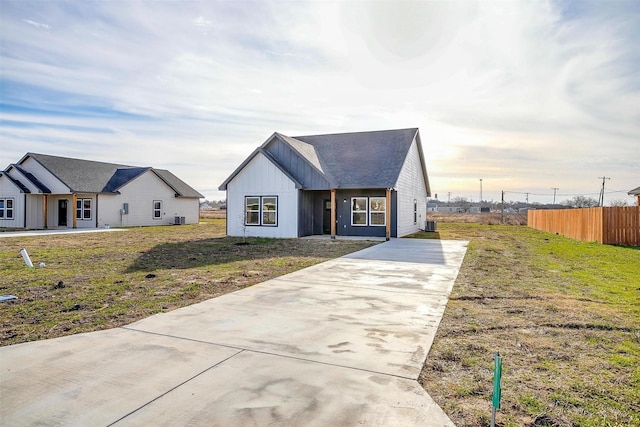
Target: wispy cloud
(526,94)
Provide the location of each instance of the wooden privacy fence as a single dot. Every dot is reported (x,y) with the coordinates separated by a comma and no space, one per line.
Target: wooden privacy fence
(608,225)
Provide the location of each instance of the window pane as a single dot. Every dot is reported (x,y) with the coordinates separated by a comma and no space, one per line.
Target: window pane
(252,203)
(157,205)
(252,218)
(9,203)
(86,203)
(1,203)
(269,218)
(269,203)
(377,204)
(79,204)
(359,204)
(359,218)
(156,213)
(377,218)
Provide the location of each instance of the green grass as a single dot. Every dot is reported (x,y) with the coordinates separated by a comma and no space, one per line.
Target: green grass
(565,316)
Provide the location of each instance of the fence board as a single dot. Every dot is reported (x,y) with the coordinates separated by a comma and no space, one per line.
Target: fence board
(608,225)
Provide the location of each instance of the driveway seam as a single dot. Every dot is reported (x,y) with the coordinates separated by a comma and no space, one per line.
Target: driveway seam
(172,388)
(249,350)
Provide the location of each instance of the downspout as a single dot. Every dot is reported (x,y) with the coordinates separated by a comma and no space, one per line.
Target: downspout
(333,213)
(96,210)
(46,210)
(388,215)
(24,211)
(74,220)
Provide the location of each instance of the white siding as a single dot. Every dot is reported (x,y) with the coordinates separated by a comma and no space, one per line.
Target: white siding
(35,211)
(9,190)
(411,186)
(140,194)
(260,177)
(44,176)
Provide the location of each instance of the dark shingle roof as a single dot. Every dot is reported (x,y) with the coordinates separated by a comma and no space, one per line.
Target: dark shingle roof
(180,187)
(88,176)
(35,181)
(20,185)
(362,159)
(371,159)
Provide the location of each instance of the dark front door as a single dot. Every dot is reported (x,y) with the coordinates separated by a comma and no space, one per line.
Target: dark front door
(62,213)
(326,217)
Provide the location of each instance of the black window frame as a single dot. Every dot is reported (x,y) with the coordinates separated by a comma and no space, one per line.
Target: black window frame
(82,209)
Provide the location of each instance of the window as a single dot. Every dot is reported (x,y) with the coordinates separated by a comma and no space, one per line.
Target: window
(370,211)
(157,209)
(83,208)
(261,210)
(269,210)
(359,211)
(415,211)
(377,211)
(6,208)
(252,209)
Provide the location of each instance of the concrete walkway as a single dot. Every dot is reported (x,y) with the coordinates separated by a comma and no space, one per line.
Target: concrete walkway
(340,343)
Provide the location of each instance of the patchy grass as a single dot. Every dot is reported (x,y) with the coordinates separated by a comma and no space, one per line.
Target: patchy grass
(95,281)
(565,316)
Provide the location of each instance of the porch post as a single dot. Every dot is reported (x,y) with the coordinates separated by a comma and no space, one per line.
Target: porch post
(333,213)
(388,214)
(45,202)
(74,198)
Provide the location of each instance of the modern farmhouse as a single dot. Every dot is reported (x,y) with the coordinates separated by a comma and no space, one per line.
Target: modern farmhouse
(42,191)
(349,184)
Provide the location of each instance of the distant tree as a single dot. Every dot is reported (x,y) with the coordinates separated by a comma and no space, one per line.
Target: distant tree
(463,202)
(581,202)
(618,202)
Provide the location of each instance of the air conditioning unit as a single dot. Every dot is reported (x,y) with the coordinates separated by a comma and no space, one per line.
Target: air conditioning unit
(430,226)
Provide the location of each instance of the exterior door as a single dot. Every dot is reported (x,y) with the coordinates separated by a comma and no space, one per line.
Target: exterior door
(326,217)
(62,213)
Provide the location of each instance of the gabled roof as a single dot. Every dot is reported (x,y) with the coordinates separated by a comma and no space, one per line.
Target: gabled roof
(352,160)
(269,157)
(17,183)
(634,192)
(31,178)
(363,159)
(88,176)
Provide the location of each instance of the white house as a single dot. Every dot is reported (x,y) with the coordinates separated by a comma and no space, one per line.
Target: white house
(42,191)
(353,184)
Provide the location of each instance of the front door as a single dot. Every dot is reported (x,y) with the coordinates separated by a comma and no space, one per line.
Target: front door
(326,217)
(62,213)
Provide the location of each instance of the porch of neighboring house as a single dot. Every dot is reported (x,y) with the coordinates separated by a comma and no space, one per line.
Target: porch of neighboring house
(62,211)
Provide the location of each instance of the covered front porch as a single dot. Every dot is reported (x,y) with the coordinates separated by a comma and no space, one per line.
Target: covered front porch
(348,212)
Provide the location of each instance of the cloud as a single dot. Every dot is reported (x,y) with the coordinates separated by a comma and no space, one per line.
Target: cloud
(520,92)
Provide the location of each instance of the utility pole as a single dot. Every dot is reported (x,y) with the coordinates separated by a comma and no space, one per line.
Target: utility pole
(448,197)
(480,194)
(527,198)
(601,201)
(554,194)
(502,214)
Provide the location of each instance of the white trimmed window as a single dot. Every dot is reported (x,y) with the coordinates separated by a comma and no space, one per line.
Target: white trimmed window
(6,208)
(157,209)
(377,211)
(415,211)
(261,210)
(359,211)
(83,209)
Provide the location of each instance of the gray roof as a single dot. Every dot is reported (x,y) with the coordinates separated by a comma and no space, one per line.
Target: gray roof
(87,176)
(371,159)
(634,192)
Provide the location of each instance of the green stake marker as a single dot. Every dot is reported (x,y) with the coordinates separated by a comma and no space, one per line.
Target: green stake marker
(497,390)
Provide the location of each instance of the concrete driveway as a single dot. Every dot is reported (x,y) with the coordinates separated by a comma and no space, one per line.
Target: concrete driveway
(340,343)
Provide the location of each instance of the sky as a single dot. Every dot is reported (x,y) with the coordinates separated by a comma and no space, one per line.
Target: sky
(526,95)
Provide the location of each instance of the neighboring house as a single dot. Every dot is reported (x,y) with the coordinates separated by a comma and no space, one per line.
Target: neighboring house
(635,192)
(349,184)
(42,191)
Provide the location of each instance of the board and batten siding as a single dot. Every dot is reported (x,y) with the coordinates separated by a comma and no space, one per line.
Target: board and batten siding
(260,177)
(411,185)
(140,194)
